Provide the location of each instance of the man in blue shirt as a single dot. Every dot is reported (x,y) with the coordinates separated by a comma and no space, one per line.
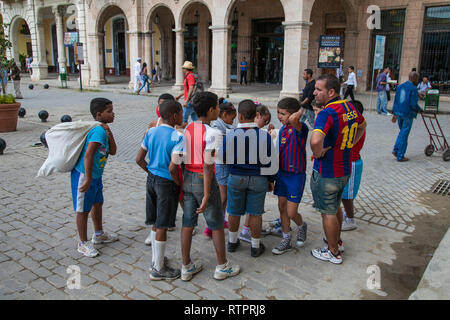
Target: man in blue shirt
(381,89)
(406,108)
(244,65)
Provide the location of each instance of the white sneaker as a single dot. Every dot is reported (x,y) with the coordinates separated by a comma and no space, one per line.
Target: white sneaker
(87,249)
(148,240)
(188,272)
(104,238)
(348,224)
(325,254)
(227,271)
(340,244)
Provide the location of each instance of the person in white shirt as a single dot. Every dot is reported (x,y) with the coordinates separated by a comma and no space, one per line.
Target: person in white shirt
(137,75)
(388,88)
(423,87)
(351,83)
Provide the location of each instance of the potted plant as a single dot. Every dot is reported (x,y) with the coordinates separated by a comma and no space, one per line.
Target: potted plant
(8,106)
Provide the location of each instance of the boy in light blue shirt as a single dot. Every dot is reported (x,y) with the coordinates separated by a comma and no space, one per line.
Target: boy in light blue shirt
(86,177)
(163,189)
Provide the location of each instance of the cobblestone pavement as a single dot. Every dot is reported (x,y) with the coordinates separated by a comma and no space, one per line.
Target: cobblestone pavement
(38,233)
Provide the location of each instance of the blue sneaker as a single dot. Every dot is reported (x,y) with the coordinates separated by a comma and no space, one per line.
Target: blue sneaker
(187,272)
(227,271)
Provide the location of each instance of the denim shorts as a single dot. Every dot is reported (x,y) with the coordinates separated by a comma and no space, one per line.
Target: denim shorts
(189,111)
(327,192)
(192,199)
(161,202)
(222,173)
(246,194)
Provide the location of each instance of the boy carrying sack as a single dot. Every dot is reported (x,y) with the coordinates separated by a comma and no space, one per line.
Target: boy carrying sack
(86,177)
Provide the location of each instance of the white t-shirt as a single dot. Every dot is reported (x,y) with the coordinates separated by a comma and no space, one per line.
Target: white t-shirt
(351,81)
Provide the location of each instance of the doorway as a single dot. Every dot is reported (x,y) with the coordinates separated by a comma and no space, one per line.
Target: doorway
(268,45)
(120,65)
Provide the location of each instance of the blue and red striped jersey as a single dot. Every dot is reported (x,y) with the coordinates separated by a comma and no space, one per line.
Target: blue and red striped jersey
(338,121)
(293,148)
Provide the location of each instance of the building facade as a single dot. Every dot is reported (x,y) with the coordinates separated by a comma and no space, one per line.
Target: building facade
(279,38)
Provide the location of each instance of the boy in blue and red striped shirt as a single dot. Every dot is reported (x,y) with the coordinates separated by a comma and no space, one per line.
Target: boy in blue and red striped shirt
(291,177)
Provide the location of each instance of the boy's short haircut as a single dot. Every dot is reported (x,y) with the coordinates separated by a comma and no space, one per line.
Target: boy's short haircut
(99,105)
(202,101)
(166,96)
(169,108)
(247,108)
(226,108)
(264,111)
(352,67)
(358,105)
(290,104)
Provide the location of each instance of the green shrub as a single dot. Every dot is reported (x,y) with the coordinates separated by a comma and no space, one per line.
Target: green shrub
(7,99)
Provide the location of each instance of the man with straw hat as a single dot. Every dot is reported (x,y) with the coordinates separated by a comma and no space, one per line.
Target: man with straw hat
(189,83)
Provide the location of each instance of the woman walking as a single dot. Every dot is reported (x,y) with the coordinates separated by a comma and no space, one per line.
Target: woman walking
(145,78)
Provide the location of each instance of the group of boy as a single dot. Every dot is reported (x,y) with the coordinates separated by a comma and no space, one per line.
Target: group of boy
(181,169)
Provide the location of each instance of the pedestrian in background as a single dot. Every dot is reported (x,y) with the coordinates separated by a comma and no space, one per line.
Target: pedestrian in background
(144,78)
(406,107)
(351,83)
(137,74)
(308,97)
(15,77)
(244,65)
(381,89)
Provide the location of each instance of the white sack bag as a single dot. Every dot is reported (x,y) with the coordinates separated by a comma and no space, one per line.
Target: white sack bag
(65,143)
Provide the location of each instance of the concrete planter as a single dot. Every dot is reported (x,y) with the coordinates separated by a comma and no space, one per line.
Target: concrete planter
(9,116)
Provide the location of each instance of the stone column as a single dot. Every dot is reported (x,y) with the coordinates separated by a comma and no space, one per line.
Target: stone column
(296,40)
(81,23)
(148,49)
(96,48)
(39,64)
(412,39)
(59,12)
(221,60)
(136,41)
(179,59)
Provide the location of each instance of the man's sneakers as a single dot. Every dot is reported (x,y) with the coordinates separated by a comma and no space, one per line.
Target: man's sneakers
(226,271)
(284,246)
(104,238)
(231,247)
(87,249)
(256,252)
(340,244)
(166,273)
(187,272)
(325,254)
(348,224)
(301,235)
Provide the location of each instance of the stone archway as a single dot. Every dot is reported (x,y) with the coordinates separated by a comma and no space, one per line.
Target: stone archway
(160,40)
(195,19)
(20,37)
(112,40)
(330,17)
